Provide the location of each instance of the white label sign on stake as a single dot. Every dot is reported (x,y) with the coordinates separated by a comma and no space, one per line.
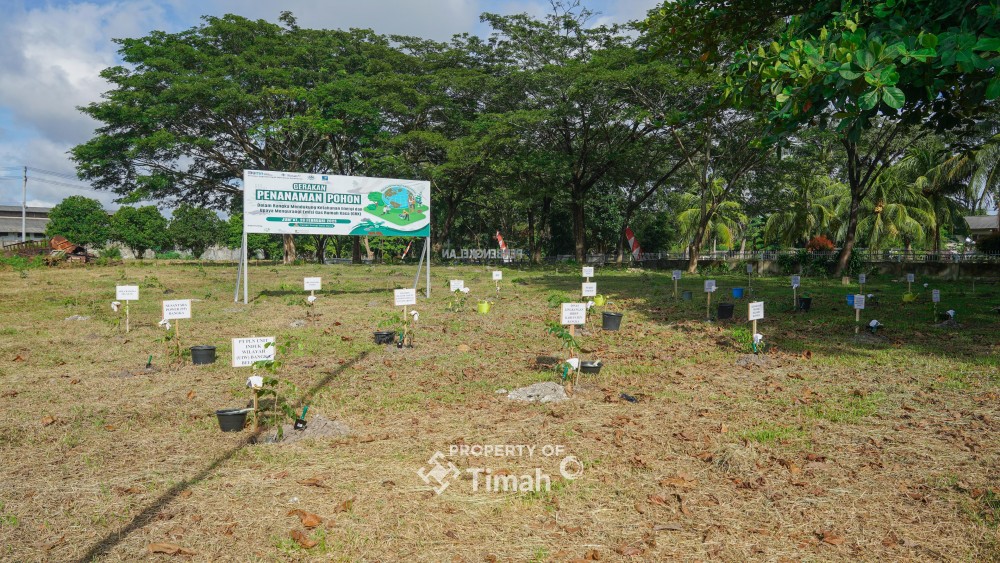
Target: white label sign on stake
(590,289)
(404,297)
(588,271)
(756,311)
(909,278)
(936,295)
(497,275)
(796,281)
(457,285)
(312,284)
(859,301)
(709,286)
(676,275)
(862,278)
(127,292)
(177,309)
(573,314)
(246,351)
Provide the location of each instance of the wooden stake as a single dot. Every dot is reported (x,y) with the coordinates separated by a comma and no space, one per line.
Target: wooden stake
(857,320)
(256,418)
(795,298)
(708,306)
(675,289)
(126,317)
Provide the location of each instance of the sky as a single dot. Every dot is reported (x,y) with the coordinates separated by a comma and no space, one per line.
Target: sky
(52,53)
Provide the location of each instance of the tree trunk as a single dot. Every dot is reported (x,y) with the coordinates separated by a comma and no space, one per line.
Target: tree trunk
(532,249)
(356,250)
(368,249)
(321,249)
(695,248)
(289,241)
(852,229)
(937,236)
(579,228)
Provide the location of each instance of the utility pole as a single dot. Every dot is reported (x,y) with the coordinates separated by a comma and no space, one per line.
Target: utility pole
(24,206)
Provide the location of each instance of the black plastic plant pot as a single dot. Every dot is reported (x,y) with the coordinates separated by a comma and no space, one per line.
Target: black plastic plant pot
(725,311)
(805,303)
(203,354)
(300,424)
(686,295)
(590,367)
(232,420)
(385,336)
(611,321)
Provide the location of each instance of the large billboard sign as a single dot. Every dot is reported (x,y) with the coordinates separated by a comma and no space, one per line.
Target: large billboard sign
(322,204)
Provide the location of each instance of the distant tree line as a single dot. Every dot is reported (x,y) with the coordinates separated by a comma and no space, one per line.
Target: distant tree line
(712,124)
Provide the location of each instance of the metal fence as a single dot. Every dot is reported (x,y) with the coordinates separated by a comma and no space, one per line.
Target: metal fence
(866,255)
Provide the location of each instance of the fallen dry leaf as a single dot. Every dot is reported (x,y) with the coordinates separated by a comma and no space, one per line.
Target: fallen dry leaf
(640,508)
(191,394)
(18,358)
(60,541)
(227,529)
(452,534)
(302,539)
(74,381)
(592,555)
(345,506)
(175,532)
(280,475)
(110,427)
(312,482)
(668,527)
(831,538)
(169,549)
(48,420)
(309,520)
(681,481)
(185,493)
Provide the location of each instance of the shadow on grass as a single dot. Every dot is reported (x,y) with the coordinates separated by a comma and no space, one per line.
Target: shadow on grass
(149,513)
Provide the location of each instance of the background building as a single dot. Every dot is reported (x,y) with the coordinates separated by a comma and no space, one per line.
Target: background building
(10,223)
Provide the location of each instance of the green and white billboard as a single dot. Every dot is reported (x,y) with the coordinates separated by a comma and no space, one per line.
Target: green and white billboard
(322,204)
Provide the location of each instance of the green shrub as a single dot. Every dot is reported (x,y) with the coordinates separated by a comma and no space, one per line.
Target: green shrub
(111,253)
(557,298)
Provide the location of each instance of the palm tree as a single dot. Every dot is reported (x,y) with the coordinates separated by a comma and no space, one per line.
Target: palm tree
(896,212)
(809,212)
(722,221)
(926,165)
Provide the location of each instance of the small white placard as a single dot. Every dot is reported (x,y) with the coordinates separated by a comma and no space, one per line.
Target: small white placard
(862,279)
(177,309)
(676,275)
(127,292)
(859,301)
(246,351)
(405,297)
(312,284)
(457,284)
(497,275)
(909,278)
(589,289)
(756,311)
(573,314)
(588,271)
(796,281)
(709,286)
(749,268)
(936,295)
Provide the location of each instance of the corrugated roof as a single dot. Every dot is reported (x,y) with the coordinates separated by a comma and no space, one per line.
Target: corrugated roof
(5,209)
(983,222)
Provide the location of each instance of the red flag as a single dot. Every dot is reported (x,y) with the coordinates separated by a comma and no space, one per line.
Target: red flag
(407,251)
(633,243)
(503,245)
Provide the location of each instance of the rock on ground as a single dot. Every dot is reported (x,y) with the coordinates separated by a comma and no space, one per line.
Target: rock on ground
(545,392)
(316,427)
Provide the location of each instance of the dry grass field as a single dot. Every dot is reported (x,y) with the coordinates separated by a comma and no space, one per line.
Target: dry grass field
(834,447)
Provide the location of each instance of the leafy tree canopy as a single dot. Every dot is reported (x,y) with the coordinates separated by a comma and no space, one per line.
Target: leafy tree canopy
(81,220)
(140,229)
(195,228)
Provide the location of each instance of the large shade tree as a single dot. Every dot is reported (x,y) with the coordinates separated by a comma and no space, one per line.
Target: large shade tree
(189,111)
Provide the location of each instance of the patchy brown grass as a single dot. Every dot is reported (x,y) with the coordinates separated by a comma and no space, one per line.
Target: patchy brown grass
(863,451)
